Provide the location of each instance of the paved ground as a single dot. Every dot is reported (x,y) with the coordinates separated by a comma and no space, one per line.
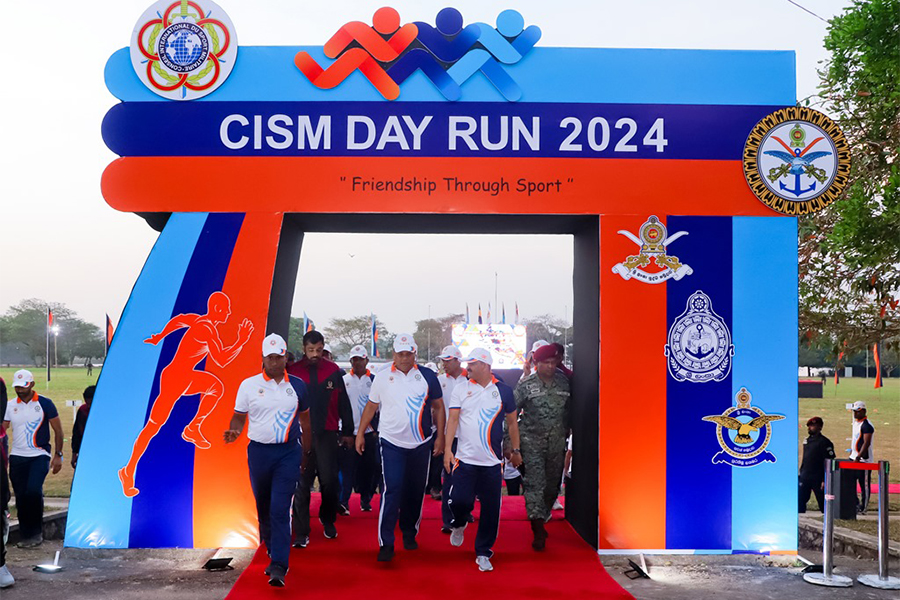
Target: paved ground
(740,577)
(176,575)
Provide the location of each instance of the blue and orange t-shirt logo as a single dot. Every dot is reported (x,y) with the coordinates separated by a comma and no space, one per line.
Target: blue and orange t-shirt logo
(448,54)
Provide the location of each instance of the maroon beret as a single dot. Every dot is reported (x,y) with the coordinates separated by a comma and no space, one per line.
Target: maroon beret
(547,352)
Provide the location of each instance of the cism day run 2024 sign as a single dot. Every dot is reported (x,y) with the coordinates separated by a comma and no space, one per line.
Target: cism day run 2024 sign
(687,158)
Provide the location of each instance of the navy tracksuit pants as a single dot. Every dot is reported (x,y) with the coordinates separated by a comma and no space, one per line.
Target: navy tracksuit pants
(360,472)
(405,474)
(446,514)
(27,474)
(274,472)
(485,482)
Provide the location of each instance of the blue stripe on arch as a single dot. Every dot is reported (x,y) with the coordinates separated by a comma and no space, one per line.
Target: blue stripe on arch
(765,333)
(162,514)
(99,514)
(591,75)
(698,492)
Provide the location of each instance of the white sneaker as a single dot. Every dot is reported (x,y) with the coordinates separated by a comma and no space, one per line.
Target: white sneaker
(557,505)
(484,563)
(457,534)
(6,578)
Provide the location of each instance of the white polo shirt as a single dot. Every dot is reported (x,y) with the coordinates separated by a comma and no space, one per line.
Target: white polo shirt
(30,422)
(405,404)
(358,389)
(482,411)
(448,384)
(272,407)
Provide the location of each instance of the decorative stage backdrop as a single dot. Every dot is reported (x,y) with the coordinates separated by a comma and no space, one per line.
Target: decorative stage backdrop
(673,169)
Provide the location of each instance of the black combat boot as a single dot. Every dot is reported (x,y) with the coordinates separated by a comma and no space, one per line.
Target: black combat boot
(540,534)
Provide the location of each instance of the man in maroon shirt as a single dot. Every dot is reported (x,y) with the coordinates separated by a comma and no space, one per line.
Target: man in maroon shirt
(329,408)
(81,418)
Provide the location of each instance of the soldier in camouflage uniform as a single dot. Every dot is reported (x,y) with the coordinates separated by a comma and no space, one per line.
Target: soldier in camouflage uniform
(543,402)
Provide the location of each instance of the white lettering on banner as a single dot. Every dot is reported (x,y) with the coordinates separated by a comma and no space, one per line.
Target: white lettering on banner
(483,133)
(278,132)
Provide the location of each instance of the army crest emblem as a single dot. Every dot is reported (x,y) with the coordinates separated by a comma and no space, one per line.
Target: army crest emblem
(652,239)
(699,347)
(743,432)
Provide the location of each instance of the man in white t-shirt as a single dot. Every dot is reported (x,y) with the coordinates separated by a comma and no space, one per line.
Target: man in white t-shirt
(32,417)
(453,375)
(477,411)
(359,471)
(277,406)
(862,450)
(408,398)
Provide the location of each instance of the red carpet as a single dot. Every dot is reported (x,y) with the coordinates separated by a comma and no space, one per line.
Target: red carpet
(346,567)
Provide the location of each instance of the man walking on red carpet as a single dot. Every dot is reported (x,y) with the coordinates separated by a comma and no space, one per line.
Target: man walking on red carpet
(478,408)
(277,407)
(409,399)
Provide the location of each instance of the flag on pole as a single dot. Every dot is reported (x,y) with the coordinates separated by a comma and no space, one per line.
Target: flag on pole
(479,313)
(374,348)
(878,383)
(467,313)
(837,377)
(503,318)
(109,333)
(517,312)
(489,314)
(49,325)
(308,325)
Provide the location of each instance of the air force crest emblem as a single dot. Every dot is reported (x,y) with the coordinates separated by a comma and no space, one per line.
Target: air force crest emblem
(699,347)
(652,239)
(743,432)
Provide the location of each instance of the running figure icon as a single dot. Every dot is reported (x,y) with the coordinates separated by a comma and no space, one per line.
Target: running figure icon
(181,378)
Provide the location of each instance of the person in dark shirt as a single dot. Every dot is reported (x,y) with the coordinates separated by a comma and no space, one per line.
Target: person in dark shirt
(81,418)
(329,406)
(6,578)
(816,449)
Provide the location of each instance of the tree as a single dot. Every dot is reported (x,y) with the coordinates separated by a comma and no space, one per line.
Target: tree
(25,325)
(850,252)
(343,334)
(432,335)
(549,328)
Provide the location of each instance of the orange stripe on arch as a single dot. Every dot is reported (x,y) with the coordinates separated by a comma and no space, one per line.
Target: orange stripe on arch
(224,509)
(632,492)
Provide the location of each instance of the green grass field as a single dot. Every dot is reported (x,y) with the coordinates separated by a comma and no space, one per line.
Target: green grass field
(66,384)
(884,414)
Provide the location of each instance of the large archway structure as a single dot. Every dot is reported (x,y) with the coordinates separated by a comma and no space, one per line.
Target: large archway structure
(685,283)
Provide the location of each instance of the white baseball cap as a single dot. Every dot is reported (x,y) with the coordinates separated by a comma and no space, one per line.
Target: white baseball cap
(449,352)
(327,349)
(274,344)
(431,365)
(358,352)
(859,405)
(480,355)
(22,378)
(404,342)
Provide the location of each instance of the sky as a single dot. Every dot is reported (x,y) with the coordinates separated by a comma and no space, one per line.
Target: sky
(78,251)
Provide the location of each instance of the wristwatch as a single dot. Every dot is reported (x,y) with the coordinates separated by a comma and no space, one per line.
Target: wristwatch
(516,451)
(59,454)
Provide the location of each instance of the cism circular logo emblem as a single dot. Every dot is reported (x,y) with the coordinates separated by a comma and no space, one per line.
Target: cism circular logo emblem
(796,161)
(743,432)
(183,50)
(699,347)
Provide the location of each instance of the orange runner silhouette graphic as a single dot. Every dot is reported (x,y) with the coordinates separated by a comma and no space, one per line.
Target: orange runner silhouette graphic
(180,378)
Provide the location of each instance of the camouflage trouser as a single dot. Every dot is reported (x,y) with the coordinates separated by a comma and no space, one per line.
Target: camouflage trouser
(544,456)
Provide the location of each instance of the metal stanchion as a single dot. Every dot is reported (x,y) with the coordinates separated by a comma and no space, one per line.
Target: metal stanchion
(827,577)
(882,580)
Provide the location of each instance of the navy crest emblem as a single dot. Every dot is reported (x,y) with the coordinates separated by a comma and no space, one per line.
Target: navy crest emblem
(699,347)
(743,432)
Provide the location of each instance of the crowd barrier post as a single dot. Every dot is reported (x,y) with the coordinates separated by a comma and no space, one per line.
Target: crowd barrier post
(883,580)
(827,578)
